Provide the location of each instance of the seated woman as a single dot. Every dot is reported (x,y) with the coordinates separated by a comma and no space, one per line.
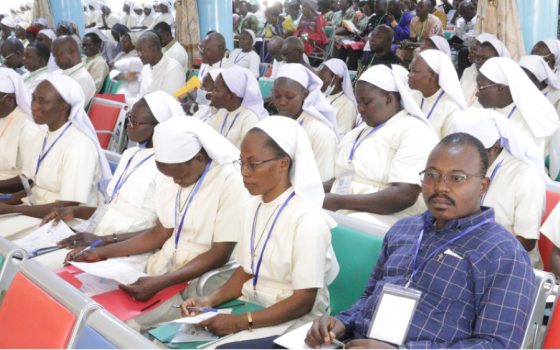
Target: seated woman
(244,56)
(197,202)
(93,62)
(311,28)
(204,105)
(376,171)
(128,48)
(297,95)
(338,91)
(436,43)
(17,128)
(67,166)
(47,36)
(277,25)
(132,189)
(238,96)
(69,28)
(290,266)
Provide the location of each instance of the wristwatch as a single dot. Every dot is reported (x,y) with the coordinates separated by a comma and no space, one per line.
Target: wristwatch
(114,238)
(250,319)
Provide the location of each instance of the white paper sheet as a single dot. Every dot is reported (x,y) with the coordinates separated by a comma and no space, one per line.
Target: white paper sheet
(187,333)
(111,269)
(45,236)
(351,27)
(8,215)
(93,285)
(296,339)
(198,318)
(138,262)
(348,42)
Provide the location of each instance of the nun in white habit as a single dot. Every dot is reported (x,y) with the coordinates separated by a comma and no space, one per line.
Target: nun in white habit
(531,113)
(288,270)
(95,14)
(238,97)
(554,48)
(436,89)
(67,167)
(440,44)
(376,169)
(206,109)
(297,95)
(340,94)
(517,190)
(51,35)
(468,80)
(17,128)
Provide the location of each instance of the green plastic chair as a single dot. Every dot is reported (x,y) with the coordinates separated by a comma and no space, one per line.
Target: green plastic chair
(266,86)
(357,253)
(115,87)
(448,34)
(106,86)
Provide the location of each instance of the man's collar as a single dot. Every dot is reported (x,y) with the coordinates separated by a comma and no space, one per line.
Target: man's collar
(459,224)
(158,64)
(171,43)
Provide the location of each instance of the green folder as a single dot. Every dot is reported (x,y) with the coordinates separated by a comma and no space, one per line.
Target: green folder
(166,333)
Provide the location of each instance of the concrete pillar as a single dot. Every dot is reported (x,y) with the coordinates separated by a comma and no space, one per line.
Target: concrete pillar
(216,15)
(539,20)
(68,10)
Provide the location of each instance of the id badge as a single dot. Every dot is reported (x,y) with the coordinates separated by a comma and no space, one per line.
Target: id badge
(393,314)
(25,182)
(95,219)
(344,183)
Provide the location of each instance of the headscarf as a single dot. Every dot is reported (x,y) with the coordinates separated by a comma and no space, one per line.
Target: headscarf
(12,83)
(96,30)
(120,28)
(95,5)
(315,104)
(133,37)
(251,33)
(386,79)
(500,48)
(179,139)
(311,3)
(304,176)
(42,22)
(130,7)
(23,25)
(72,94)
(489,126)
(448,80)
(163,105)
(243,84)
(69,27)
(166,3)
(401,73)
(214,73)
(137,6)
(538,112)
(484,37)
(49,33)
(554,48)
(33,29)
(441,44)
(339,68)
(9,22)
(540,68)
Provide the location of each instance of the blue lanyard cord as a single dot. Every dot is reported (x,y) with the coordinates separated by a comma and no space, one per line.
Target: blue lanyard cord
(301,122)
(256,273)
(357,144)
(231,126)
(511,113)
(358,123)
(204,116)
(42,156)
(434,106)
(441,247)
(491,179)
(196,188)
(339,96)
(546,93)
(237,59)
(120,184)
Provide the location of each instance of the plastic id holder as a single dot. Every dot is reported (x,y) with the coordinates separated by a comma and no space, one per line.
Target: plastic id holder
(344,183)
(90,225)
(393,314)
(27,186)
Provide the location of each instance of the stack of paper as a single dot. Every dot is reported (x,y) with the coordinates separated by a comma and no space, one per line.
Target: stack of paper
(45,236)
(187,333)
(93,285)
(296,339)
(198,318)
(112,270)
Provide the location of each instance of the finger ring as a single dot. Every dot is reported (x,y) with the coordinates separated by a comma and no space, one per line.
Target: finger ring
(74,242)
(206,328)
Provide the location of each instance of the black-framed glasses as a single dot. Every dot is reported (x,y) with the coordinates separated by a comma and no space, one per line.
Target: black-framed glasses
(248,166)
(135,124)
(141,52)
(431,179)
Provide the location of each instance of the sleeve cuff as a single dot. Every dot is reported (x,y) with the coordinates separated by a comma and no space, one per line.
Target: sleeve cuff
(394,24)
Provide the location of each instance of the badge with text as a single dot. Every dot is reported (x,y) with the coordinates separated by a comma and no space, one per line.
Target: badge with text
(27,186)
(344,183)
(94,220)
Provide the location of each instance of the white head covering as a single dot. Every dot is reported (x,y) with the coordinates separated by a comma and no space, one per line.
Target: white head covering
(95,5)
(535,108)
(243,84)
(166,3)
(48,32)
(554,47)
(315,104)
(23,25)
(42,21)
(448,80)
(401,73)
(137,6)
(540,68)
(72,93)
(489,126)
(484,37)
(163,106)
(9,21)
(500,48)
(130,7)
(386,79)
(339,68)
(441,44)
(251,33)
(96,30)
(12,83)
(214,73)
(179,139)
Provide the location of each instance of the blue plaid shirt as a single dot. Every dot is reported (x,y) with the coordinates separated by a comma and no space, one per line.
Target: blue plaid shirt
(481,300)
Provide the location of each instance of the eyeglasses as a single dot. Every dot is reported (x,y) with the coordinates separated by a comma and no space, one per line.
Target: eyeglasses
(432,179)
(134,124)
(10,55)
(480,88)
(86,45)
(240,165)
(5,95)
(141,52)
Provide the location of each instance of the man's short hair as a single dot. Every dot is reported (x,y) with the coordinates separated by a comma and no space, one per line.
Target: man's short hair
(163,27)
(14,45)
(152,37)
(294,5)
(462,139)
(294,42)
(94,38)
(42,50)
(272,11)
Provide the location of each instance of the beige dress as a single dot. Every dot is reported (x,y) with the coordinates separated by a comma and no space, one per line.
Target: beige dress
(441,117)
(346,112)
(17,132)
(98,69)
(233,125)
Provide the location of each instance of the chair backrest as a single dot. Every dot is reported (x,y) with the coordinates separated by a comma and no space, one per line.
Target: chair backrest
(113,158)
(545,245)
(263,68)
(330,30)
(11,257)
(106,86)
(551,339)
(352,74)
(109,118)
(266,85)
(194,73)
(115,87)
(545,282)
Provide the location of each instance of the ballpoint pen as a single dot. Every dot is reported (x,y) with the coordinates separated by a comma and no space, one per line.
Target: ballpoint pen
(93,245)
(205,309)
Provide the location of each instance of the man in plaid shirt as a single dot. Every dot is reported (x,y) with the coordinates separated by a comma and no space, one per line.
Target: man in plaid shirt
(476,292)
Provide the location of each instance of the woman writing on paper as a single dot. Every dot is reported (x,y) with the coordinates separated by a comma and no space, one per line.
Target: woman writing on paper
(285,253)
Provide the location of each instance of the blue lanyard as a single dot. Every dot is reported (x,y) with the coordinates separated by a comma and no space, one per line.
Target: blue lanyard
(491,179)
(196,188)
(231,126)
(120,184)
(511,113)
(237,59)
(301,122)
(256,273)
(42,156)
(546,94)
(434,106)
(416,269)
(339,96)
(202,72)
(358,123)
(204,116)
(357,144)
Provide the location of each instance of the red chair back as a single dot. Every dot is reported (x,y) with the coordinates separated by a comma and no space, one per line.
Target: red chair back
(31,319)
(545,245)
(113,97)
(552,340)
(103,118)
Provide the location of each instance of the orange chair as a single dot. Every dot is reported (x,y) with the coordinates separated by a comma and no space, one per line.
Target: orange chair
(108,119)
(545,245)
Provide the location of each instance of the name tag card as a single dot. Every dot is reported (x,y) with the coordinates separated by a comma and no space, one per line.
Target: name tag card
(90,225)
(27,186)
(393,315)
(344,183)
